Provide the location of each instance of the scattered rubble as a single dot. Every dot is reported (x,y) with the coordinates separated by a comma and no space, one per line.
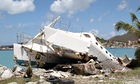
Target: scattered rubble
(89,70)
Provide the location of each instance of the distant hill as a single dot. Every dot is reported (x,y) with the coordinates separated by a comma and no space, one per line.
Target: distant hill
(124,38)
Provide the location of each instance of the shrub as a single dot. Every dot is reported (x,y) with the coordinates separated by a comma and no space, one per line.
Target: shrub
(29,72)
(137,56)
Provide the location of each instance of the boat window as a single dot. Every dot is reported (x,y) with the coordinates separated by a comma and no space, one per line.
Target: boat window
(106,51)
(110,55)
(87,35)
(101,47)
(96,43)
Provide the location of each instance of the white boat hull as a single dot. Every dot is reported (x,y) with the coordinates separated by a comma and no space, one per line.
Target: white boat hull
(24,57)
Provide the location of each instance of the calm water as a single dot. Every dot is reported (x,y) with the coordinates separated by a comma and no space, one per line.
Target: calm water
(6,57)
(119,52)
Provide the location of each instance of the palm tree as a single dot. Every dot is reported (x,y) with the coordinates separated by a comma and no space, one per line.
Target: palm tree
(132,28)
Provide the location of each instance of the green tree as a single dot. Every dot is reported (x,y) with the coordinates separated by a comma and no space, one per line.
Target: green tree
(132,28)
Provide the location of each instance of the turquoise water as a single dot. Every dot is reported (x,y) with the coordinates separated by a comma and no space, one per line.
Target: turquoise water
(119,52)
(6,57)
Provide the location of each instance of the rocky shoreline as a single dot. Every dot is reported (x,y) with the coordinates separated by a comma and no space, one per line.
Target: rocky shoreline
(89,75)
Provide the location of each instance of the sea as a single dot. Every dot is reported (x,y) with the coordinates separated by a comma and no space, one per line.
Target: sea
(6,56)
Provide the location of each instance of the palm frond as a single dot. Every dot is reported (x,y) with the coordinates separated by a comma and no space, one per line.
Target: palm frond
(138,9)
(134,17)
(138,25)
(125,26)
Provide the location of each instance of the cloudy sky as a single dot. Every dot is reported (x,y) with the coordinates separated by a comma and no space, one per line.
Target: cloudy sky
(29,16)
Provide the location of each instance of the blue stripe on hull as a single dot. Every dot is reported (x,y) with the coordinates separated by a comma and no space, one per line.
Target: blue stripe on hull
(35,65)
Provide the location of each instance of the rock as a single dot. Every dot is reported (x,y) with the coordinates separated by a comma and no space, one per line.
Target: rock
(39,72)
(101,77)
(98,66)
(3,66)
(42,72)
(64,74)
(7,74)
(106,72)
(67,81)
(13,83)
(112,65)
(31,83)
(43,82)
(101,81)
(84,68)
(60,74)
(48,73)
(2,69)
(16,69)
(112,78)
(41,79)
(63,67)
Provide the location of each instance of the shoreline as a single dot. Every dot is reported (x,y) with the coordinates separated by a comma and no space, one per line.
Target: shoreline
(121,47)
(6,49)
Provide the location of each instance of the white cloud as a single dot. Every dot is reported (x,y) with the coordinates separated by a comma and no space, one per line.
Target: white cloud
(100,18)
(112,33)
(114,24)
(94,31)
(16,6)
(91,20)
(122,5)
(19,25)
(106,13)
(1,16)
(70,6)
(50,16)
(8,26)
(44,24)
(107,35)
(77,19)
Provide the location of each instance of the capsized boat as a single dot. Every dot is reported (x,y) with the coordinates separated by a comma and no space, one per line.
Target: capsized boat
(54,46)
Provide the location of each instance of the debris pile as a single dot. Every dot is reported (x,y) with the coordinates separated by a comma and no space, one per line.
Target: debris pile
(92,68)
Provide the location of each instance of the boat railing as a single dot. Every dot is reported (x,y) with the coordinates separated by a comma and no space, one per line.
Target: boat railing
(62,24)
(23,38)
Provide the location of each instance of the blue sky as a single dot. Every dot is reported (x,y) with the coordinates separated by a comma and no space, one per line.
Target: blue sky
(30,16)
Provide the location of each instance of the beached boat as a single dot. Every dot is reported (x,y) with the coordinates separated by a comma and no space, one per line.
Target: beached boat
(54,46)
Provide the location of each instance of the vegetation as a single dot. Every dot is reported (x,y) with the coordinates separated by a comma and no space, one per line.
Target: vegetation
(125,37)
(132,28)
(19,80)
(29,72)
(101,40)
(137,55)
(128,77)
